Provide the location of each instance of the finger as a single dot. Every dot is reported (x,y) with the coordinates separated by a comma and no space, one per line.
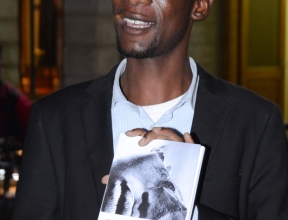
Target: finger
(167,134)
(188,138)
(147,138)
(105,179)
(136,132)
(160,133)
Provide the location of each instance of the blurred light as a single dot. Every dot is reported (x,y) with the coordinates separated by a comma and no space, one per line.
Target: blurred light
(2,174)
(15,176)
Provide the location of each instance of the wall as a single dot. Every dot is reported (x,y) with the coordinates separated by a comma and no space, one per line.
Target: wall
(9,38)
(89,40)
(89,45)
(206,41)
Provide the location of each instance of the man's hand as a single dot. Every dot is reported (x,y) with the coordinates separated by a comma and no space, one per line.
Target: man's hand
(158,133)
(155,133)
(105,179)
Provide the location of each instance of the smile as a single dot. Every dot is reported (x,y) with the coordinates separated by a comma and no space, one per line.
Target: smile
(137,24)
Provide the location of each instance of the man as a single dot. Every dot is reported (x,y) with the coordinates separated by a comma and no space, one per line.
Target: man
(69,146)
(14,112)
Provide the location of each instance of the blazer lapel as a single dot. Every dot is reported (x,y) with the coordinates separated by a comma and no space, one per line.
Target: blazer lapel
(211,113)
(210,119)
(97,124)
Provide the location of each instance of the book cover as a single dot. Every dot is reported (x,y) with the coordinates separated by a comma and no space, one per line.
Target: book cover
(158,181)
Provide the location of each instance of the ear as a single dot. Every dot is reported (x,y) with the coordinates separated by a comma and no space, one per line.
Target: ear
(201,9)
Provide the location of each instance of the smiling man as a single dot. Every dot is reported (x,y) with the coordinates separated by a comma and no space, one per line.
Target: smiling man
(157,92)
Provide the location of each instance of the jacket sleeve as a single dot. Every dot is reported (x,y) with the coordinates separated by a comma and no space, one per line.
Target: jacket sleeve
(37,191)
(268,187)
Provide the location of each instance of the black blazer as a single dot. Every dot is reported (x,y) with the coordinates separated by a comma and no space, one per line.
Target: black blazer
(68,149)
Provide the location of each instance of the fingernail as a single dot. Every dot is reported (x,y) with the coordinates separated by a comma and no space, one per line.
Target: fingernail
(128,132)
(142,140)
(157,128)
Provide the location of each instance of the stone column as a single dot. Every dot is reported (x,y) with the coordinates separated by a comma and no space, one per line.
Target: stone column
(89,40)
(206,40)
(9,39)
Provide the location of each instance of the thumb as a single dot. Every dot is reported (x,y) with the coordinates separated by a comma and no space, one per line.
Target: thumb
(105,179)
(188,138)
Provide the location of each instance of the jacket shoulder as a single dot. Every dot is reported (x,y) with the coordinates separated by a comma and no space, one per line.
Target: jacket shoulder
(246,99)
(66,96)
(236,96)
(79,93)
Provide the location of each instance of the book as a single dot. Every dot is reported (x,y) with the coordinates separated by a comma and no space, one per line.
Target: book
(157,181)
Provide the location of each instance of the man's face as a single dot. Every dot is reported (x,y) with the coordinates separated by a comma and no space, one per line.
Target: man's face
(150,28)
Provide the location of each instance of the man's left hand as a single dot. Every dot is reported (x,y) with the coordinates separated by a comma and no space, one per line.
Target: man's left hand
(158,133)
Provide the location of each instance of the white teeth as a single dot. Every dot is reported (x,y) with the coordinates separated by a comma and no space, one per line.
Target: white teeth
(137,23)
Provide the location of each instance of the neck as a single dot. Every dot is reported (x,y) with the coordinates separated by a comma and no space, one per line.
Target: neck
(156,80)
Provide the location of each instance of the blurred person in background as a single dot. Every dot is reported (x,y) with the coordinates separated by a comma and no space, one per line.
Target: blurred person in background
(14,113)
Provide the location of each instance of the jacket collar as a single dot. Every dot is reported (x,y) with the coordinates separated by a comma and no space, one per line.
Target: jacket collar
(211,112)
(97,125)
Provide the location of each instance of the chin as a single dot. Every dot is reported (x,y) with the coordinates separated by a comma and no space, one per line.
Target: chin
(138,53)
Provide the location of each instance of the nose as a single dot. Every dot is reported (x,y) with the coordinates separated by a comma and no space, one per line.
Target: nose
(136,2)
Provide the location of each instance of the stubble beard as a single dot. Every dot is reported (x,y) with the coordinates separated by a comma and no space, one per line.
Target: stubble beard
(137,54)
(154,49)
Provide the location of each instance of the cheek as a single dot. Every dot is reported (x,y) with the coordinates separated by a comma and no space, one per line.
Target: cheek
(163,3)
(169,12)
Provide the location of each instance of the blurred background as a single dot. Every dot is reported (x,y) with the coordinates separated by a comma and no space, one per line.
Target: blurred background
(50,44)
